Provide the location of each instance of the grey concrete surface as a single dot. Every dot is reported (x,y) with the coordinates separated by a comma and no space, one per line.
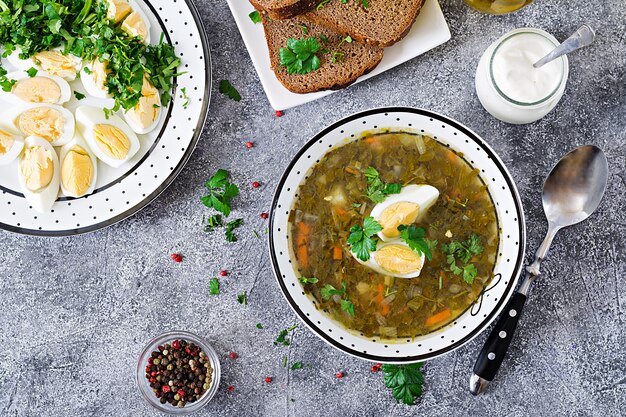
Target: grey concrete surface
(77,311)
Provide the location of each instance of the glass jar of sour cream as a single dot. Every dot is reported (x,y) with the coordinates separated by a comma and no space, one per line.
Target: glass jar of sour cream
(508,85)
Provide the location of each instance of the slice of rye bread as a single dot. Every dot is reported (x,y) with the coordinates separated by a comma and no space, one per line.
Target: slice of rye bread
(284,9)
(382,23)
(358,58)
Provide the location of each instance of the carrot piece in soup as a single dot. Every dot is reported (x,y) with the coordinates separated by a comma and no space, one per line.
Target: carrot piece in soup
(302,242)
(438,317)
(337,253)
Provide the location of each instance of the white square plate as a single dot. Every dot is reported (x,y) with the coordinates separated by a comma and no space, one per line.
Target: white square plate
(429,30)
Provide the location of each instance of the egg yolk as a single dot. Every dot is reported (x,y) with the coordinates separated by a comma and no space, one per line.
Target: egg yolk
(112,141)
(37,90)
(37,167)
(6,142)
(44,122)
(55,63)
(397,214)
(118,10)
(147,109)
(398,259)
(99,73)
(77,171)
(135,26)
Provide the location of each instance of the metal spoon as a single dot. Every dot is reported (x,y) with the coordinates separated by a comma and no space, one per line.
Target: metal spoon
(584,36)
(571,193)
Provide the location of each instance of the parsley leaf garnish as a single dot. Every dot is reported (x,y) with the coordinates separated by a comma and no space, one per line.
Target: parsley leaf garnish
(405,381)
(221,191)
(230,229)
(255,16)
(31,72)
(463,251)
(305,280)
(212,222)
(214,286)
(282,336)
(228,90)
(360,238)
(259,326)
(79,95)
(376,189)
(242,298)
(185,97)
(296,365)
(346,305)
(299,55)
(414,237)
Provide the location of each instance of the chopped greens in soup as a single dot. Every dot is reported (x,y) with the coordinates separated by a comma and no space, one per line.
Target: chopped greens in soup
(394,235)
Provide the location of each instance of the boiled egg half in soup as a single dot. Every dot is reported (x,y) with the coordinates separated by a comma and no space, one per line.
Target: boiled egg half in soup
(79,168)
(144,117)
(404,208)
(38,173)
(53,62)
(137,23)
(47,121)
(111,140)
(10,146)
(42,88)
(395,259)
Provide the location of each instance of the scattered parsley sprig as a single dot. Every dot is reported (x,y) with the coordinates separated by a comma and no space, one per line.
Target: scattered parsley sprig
(299,56)
(346,305)
(282,339)
(414,237)
(377,190)
(221,192)
(406,382)
(463,251)
(360,238)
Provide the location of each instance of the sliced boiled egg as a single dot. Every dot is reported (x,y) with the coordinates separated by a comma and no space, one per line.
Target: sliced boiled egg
(11,146)
(395,259)
(38,173)
(94,79)
(137,23)
(403,208)
(111,140)
(79,168)
(118,9)
(53,62)
(47,121)
(42,88)
(144,117)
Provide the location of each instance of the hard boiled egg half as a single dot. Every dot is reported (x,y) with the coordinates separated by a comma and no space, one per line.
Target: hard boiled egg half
(38,173)
(145,116)
(395,259)
(111,140)
(117,10)
(42,88)
(53,62)
(137,23)
(403,208)
(94,79)
(10,146)
(47,121)
(79,168)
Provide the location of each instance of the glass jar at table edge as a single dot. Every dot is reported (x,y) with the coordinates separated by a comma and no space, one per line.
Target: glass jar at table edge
(144,386)
(498,6)
(504,108)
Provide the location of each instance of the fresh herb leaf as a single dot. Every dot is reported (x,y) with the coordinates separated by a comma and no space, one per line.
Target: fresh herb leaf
(255,16)
(212,222)
(328,291)
(228,90)
(230,229)
(79,95)
(214,286)
(305,280)
(259,326)
(469,273)
(185,97)
(414,237)
(405,381)
(282,336)
(463,251)
(296,365)
(31,72)
(360,238)
(377,190)
(221,192)
(242,298)
(346,305)
(299,56)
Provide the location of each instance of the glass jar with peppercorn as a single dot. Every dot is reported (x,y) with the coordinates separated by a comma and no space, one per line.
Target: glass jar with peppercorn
(178,373)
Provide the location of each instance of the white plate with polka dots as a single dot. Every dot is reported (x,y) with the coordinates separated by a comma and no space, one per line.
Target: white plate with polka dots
(121,192)
(509,212)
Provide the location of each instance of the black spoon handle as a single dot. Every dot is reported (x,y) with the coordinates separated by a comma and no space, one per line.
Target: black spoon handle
(497,344)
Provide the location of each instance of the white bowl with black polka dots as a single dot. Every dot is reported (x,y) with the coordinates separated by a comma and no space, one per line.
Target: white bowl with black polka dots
(121,192)
(510,223)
